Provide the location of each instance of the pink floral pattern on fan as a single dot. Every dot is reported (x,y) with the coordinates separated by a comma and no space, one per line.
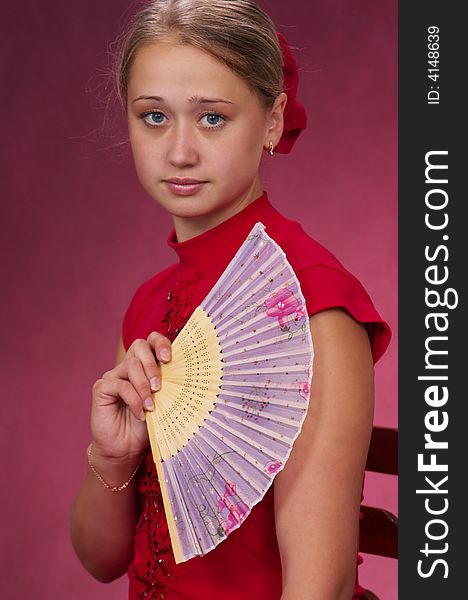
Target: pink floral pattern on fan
(273,466)
(236,510)
(304,390)
(301,312)
(283,303)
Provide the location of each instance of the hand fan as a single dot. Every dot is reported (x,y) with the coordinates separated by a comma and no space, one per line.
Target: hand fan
(233,398)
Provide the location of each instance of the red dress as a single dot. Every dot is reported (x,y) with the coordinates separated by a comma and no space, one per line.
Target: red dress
(246,565)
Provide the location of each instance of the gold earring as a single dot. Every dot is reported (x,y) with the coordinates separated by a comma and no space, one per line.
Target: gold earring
(270,149)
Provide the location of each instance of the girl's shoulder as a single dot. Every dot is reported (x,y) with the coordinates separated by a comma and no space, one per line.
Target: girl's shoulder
(302,250)
(326,283)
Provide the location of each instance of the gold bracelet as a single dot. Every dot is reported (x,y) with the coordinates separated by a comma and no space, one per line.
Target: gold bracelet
(101,478)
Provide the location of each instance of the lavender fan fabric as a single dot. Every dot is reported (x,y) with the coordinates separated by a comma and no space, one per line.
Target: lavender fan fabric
(226,468)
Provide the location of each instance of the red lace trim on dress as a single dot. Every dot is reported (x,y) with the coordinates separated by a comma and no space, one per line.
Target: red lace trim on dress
(180,304)
(153,563)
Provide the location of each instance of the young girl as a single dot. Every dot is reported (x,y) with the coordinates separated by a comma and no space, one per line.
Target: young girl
(208,86)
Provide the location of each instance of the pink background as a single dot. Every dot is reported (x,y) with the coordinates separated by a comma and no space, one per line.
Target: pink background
(80,234)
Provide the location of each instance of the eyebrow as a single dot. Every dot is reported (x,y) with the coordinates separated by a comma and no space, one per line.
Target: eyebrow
(192,100)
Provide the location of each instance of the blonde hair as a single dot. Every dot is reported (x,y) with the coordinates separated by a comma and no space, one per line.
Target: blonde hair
(236,32)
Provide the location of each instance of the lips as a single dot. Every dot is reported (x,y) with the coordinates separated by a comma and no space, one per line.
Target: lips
(184,186)
(184,181)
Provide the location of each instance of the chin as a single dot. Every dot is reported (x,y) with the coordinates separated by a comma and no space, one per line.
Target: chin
(189,206)
(193,212)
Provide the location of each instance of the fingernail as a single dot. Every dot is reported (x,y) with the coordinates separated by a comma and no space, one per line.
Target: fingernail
(142,416)
(165,354)
(155,384)
(148,403)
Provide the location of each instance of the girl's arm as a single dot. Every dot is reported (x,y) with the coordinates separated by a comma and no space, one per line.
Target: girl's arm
(318,493)
(102,523)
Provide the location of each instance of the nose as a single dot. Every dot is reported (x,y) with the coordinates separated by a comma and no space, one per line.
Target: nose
(182,146)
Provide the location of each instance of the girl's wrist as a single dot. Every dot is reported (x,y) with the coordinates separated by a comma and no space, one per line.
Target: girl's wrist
(114,473)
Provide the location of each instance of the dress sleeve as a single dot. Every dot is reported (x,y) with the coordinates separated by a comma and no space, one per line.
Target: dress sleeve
(137,303)
(325,287)
(128,321)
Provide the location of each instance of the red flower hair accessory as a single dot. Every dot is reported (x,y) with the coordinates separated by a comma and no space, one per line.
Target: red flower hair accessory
(295,117)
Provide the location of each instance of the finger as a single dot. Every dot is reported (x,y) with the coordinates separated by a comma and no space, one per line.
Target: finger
(141,350)
(161,345)
(140,381)
(145,355)
(119,389)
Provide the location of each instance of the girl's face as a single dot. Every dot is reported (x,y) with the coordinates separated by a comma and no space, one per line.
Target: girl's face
(190,117)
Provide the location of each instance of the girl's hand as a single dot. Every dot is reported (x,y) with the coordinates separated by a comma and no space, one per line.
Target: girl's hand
(121,397)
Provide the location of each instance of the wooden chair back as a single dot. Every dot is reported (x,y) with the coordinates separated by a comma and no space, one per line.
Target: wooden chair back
(378,532)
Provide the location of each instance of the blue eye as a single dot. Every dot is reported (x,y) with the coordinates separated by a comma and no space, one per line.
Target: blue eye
(155,118)
(214,120)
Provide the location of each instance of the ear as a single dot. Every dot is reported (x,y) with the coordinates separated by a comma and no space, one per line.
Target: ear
(275,121)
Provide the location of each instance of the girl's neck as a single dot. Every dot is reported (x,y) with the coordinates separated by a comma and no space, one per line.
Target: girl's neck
(187,228)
